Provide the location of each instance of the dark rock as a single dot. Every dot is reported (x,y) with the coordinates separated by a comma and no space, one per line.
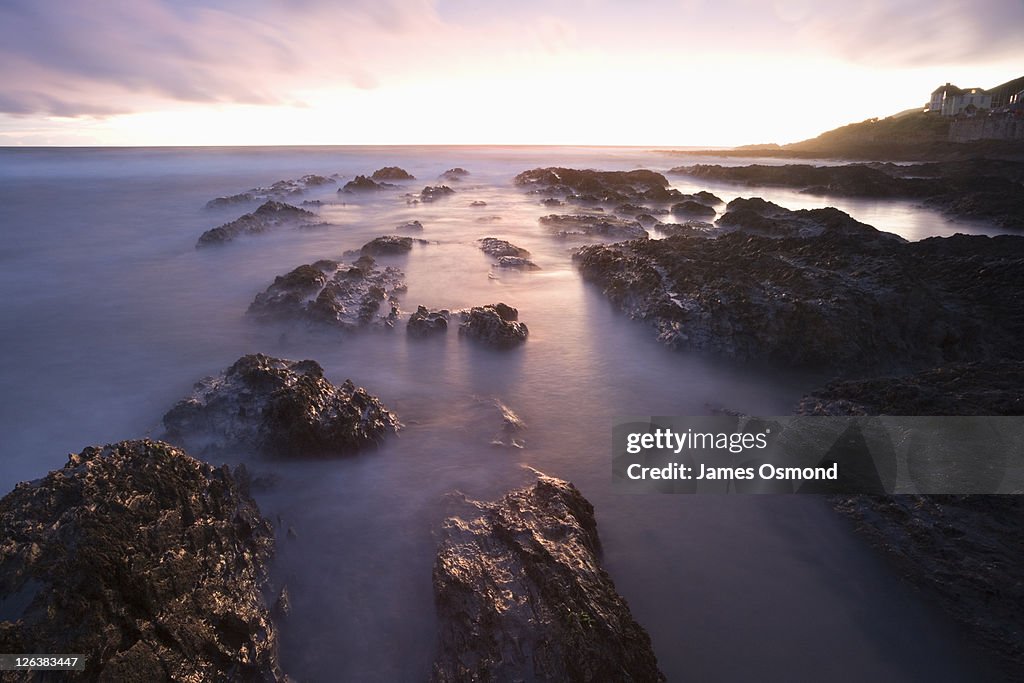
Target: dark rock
(707,198)
(392,173)
(495,325)
(389,245)
(692,208)
(635,210)
(410,226)
(988,388)
(282,189)
(360,183)
(593,226)
(331,293)
(521,595)
(457,173)
(426,323)
(230,200)
(828,292)
(280,407)
(270,216)
(498,248)
(478,203)
(598,186)
(517,262)
(433,193)
(146,561)
(551,201)
(646,220)
(688,228)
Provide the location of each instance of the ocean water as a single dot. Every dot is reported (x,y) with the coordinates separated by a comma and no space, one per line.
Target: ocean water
(110,315)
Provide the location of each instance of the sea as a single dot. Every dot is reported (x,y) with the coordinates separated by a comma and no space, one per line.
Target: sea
(111,314)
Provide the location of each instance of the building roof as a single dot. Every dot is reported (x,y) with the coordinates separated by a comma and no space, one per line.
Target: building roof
(949,89)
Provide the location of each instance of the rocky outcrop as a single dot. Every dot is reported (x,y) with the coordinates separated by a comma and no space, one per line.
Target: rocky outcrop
(454,174)
(363,184)
(985,388)
(279,407)
(433,193)
(688,228)
(330,293)
(270,216)
(389,245)
(693,208)
(497,248)
(478,203)
(427,323)
(591,225)
(521,595)
(495,325)
(636,210)
(983,189)
(598,186)
(517,263)
(146,561)
(410,226)
(392,173)
(823,291)
(282,189)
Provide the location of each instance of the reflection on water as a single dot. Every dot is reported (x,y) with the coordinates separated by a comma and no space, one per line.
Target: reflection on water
(111,315)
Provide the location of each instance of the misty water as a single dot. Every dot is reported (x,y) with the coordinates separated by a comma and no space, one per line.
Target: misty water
(110,315)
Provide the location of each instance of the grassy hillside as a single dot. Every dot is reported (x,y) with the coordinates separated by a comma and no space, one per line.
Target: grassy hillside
(909,130)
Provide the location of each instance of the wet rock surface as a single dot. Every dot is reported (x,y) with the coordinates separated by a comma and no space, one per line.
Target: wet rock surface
(410,226)
(983,189)
(494,325)
(270,216)
(427,323)
(521,595)
(432,193)
(331,293)
(495,247)
(598,186)
(282,189)
(363,184)
(592,225)
(392,173)
(517,263)
(147,561)
(824,291)
(454,174)
(693,208)
(389,245)
(281,408)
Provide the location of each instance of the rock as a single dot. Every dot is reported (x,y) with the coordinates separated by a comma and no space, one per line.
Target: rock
(457,173)
(511,426)
(389,245)
(646,220)
(426,323)
(478,203)
(331,293)
(497,248)
(593,226)
(825,292)
(280,407)
(392,173)
(146,561)
(430,194)
(693,208)
(598,186)
(521,595)
(282,189)
(517,262)
(707,198)
(551,201)
(270,216)
(636,210)
(362,184)
(230,200)
(687,228)
(410,226)
(495,325)
(984,388)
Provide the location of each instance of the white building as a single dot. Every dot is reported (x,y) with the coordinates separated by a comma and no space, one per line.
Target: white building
(950,100)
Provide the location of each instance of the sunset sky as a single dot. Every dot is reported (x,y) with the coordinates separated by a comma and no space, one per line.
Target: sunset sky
(646,72)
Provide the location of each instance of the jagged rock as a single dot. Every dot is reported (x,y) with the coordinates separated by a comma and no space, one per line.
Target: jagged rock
(688,228)
(598,186)
(433,193)
(363,184)
(551,201)
(457,173)
(646,220)
(335,294)
(231,200)
(521,595)
(517,262)
(478,203)
(693,208)
(426,323)
(271,215)
(495,325)
(636,210)
(281,407)
(146,561)
(389,245)
(279,190)
(986,388)
(828,292)
(410,226)
(593,226)
(497,248)
(707,198)
(392,173)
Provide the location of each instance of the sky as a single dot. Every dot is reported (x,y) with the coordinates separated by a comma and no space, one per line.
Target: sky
(593,72)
